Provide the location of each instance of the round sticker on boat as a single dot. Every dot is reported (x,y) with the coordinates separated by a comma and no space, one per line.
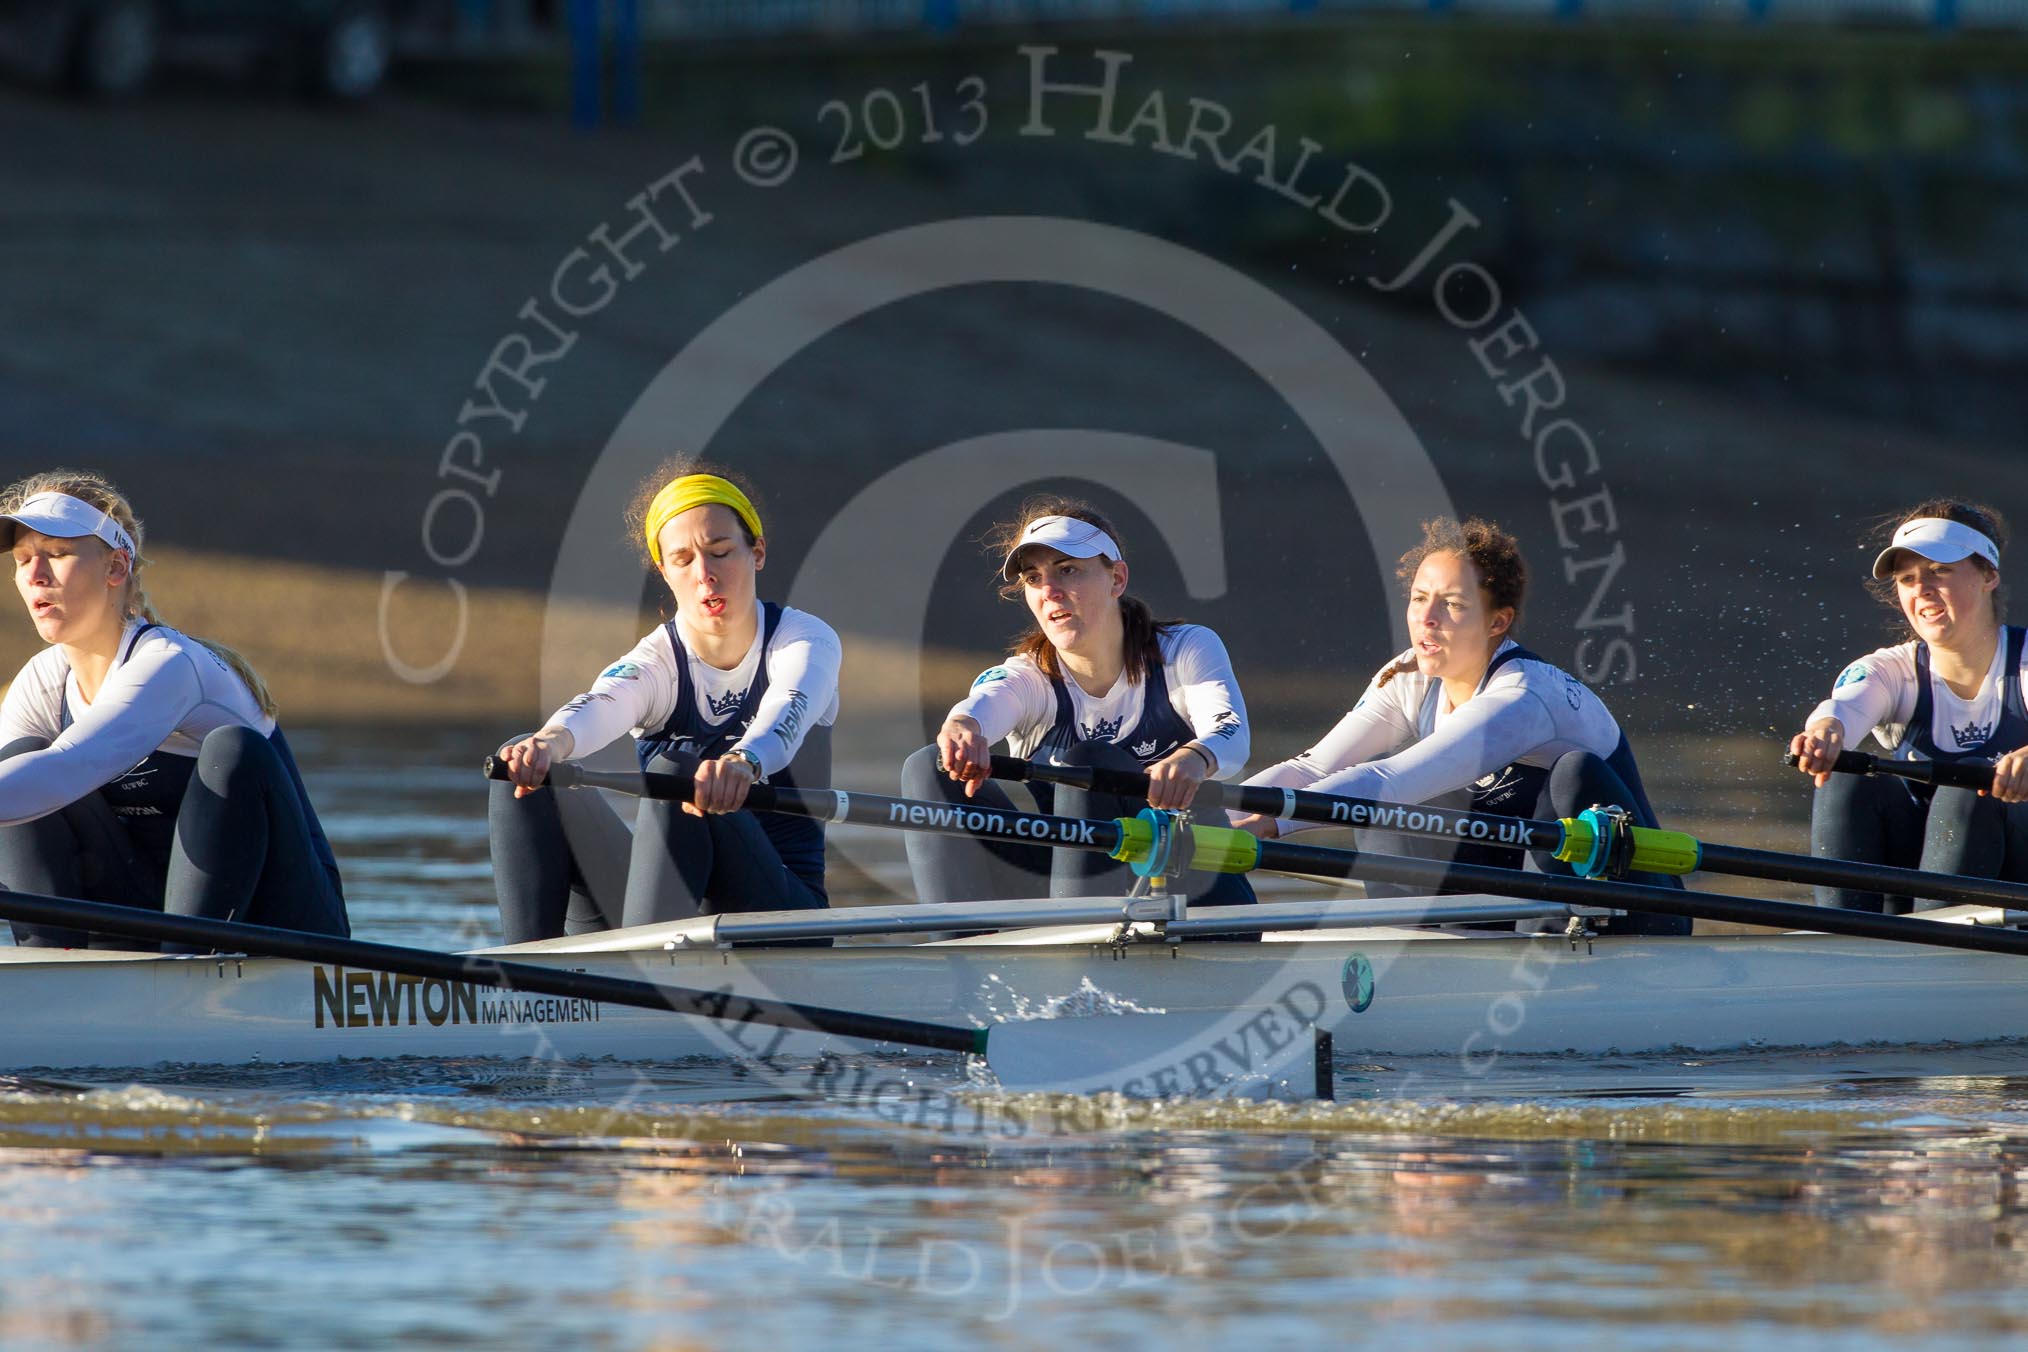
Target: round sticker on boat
(1358,983)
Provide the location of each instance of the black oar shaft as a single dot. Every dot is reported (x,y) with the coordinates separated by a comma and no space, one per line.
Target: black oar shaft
(1901,882)
(1479,827)
(863,809)
(1966,774)
(265,941)
(1432,874)
(1324,808)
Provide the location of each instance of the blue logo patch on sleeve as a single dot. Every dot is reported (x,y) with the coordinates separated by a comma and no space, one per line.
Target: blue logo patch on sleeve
(991,674)
(620,671)
(1852,675)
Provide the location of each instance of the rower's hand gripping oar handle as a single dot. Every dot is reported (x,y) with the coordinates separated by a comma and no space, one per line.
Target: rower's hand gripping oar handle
(676,788)
(1598,843)
(1094,779)
(1969,774)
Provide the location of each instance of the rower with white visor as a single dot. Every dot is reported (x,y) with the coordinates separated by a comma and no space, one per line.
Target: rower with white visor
(1469,719)
(1097,681)
(139,765)
(1953,692)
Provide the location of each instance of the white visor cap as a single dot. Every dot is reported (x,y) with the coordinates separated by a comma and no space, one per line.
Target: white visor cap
(1065,535)
(67,518)
(1939,540)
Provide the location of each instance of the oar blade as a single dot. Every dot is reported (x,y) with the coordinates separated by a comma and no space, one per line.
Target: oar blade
(1257,1054)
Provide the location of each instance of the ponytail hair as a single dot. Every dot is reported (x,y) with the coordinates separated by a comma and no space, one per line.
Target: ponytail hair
(1141,641)
(99,492)
(1494,555)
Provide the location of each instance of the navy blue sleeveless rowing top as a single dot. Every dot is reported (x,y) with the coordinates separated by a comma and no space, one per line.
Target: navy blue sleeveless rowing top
(147,798)
(1160,731)
(1513,790)
(2009,734)
(799,840)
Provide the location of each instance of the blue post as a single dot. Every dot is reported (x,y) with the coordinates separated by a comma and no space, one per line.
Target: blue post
(585,64)
(1946,13)
(940,16)
(627,61)
(1569,9)
(1302,6)
(1757,10)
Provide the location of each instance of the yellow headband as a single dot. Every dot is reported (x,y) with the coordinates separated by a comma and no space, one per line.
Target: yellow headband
(695,490)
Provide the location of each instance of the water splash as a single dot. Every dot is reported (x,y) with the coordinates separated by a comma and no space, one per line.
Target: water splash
(1007,1005)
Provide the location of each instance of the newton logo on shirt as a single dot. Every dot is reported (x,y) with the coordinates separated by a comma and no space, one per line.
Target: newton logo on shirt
(991,674)
(1852,675)
(620,671)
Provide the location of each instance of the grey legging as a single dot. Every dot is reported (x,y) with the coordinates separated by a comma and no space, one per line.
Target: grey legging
(242,851)
(1877,820)
(958,868)
(558,860)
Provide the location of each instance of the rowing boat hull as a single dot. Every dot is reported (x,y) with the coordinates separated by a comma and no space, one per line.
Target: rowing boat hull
(1477,998)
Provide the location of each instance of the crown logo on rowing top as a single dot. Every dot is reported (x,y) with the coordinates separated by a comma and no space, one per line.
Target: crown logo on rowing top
(721,705)
(1104,730)
(1145,749)
(1973,734)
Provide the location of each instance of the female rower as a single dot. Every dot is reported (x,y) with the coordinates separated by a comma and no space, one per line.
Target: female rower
(1099,682)
(1469,719)
(138,765)
(1951,693)
(732,691)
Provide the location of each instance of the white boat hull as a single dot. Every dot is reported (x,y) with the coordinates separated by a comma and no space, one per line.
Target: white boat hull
(1380,993)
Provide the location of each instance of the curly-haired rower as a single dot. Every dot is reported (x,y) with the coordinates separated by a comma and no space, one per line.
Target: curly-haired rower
(1468,718)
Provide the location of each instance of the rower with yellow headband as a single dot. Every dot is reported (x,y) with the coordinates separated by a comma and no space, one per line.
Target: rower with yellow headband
(731,690)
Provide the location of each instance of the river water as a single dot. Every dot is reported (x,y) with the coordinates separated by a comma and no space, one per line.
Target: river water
(1854,1198)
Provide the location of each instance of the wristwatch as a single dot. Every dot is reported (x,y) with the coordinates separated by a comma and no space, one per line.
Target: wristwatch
(752,761)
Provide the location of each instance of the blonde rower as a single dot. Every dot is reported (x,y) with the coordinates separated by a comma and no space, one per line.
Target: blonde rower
(139,765)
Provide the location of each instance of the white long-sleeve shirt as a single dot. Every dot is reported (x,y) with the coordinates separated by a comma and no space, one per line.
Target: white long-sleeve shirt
(1017,701)
(637,694)
(1878,693)
(1404,742)
(166,692)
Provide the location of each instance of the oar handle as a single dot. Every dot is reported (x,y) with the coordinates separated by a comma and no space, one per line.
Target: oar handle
(1121,783)
(1128,840)
(1970,774)
(676,788)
